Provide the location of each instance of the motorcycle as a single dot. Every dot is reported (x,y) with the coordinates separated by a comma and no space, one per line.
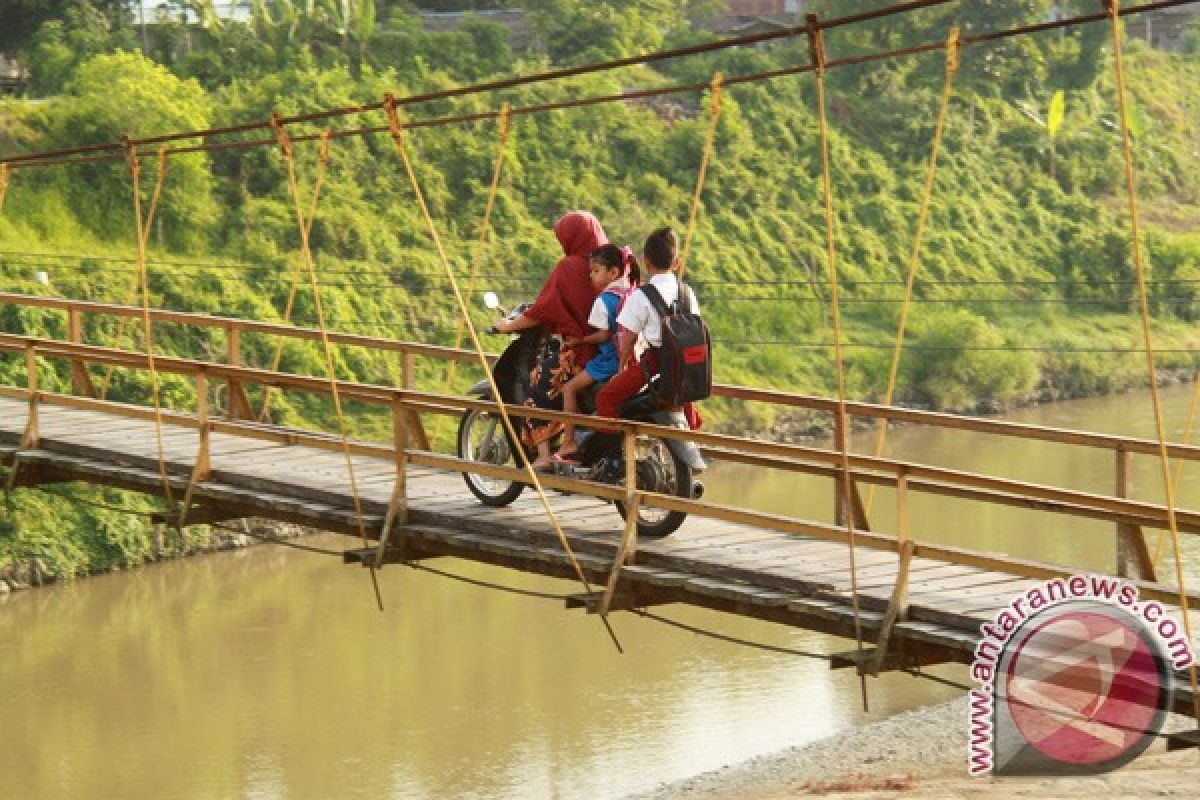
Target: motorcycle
(666,466)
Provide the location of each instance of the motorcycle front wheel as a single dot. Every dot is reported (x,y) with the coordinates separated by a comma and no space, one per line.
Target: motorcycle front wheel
(660,470)
(481,438)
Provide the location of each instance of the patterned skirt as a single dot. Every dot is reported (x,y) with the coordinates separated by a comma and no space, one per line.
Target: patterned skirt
(554,368)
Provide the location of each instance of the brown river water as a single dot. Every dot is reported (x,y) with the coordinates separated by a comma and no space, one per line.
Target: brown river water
(268,673)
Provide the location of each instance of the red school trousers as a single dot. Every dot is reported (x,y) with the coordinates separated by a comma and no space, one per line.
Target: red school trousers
(624,385)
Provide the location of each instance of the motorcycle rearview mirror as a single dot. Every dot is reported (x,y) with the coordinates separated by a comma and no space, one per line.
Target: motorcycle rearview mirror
(491,300)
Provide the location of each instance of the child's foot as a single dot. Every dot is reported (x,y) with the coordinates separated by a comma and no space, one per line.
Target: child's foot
(542,463)
(567,454)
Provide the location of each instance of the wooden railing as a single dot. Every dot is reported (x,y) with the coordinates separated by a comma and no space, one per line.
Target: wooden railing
(407,404)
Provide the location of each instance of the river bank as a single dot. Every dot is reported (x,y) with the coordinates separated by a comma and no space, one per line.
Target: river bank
(803,425)
(919,754)
(32,572)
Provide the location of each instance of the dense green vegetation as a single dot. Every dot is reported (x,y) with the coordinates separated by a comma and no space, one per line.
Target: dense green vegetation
(1026,255)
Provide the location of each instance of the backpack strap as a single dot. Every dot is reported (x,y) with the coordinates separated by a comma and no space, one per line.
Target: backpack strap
(656,300)
(684,303)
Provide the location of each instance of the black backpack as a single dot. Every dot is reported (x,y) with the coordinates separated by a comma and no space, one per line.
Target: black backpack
(685,356)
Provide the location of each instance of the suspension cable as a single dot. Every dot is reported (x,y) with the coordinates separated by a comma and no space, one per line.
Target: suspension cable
(817,46)
(297,273)
(398,136)
(952,64)
(135,284)
(484,228)
(1140,267)
(142,229)
(714,116)
(1179,464)
(304,224)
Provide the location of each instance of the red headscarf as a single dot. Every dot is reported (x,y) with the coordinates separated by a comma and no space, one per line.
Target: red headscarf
(566,298)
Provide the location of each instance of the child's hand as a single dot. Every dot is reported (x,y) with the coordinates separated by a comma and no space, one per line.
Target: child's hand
(570,341)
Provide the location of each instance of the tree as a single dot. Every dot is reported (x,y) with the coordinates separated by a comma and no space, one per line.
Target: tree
(330,30)
(76,32)
(577,31)
(22,18)
(155,101)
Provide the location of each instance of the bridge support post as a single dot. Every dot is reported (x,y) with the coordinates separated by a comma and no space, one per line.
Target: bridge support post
(398,505)
(239,404)
(81,382)
(202,469)
(628,545)
(29,439)
(32,432)
(1133,555)
(897,609)
(839,495)
(420,437)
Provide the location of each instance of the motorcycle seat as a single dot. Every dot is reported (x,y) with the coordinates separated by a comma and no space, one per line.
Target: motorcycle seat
(640,404)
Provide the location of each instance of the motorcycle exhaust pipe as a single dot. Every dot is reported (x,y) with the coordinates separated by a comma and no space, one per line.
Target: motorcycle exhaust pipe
(697,490)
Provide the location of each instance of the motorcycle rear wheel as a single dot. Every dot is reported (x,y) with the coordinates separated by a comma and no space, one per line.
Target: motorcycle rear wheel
(664,472)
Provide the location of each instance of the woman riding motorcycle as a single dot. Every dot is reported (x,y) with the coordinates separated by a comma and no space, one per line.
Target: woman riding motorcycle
(562,307)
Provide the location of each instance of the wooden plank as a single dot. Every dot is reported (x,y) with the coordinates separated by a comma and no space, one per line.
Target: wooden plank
(223,444)
(957,581)
(178,453)
(648,559)
(66,424)
(729,538)
(832,566)
(335,478)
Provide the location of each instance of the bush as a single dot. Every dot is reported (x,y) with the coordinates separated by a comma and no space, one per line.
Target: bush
(962,359)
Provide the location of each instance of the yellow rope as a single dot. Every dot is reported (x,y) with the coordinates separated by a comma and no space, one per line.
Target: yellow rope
(1187,437)
(398,136)
(914,259)
(3,184)
(135,285)
(1139,265)
(714,116)
(143,233)
(304,224)
(297,273)
(483,232)
(817,44)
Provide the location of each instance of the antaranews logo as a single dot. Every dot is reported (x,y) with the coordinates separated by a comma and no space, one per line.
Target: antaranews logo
(1074,678)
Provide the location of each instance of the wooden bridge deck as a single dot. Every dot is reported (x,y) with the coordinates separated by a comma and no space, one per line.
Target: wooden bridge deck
(771,575)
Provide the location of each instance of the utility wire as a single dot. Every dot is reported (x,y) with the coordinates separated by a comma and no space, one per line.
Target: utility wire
(88,281)
(254,271)
(805,345)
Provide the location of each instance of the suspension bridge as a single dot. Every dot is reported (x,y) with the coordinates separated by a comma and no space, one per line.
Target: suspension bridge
(921,604)
(907,601)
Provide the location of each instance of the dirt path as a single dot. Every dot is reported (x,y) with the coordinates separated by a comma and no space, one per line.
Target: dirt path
(921,754)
